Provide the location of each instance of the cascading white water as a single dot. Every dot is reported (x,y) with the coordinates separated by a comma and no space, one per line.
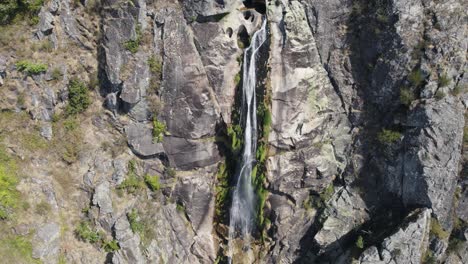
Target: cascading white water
(242,211)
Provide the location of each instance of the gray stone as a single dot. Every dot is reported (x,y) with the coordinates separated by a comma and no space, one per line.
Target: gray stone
(129,243)
(189,154)
(46,24)
(102,198)
(46,243)
(140,140)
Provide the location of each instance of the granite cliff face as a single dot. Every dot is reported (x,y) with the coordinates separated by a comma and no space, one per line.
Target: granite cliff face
(120,132)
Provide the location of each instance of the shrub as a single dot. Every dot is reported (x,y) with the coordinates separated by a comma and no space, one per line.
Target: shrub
(131,184)
(416,78)
(237,78)
(16,249)
(444,80)
(30,68)
(406,96)
(152,182)
(10,9)
(155,66)
(360,242)
(86,233)
(78,97)
(457,90)
(135,225)
(159,129)
(387,136)
(180,207)
(134,44)
(111,246)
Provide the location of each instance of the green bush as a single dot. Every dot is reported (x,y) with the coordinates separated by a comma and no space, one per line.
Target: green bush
(78,97)
(152,182)
(155,66)
(11,9)
(111,246)
(406,96)
(16,249)
(134,44)
(387,136)
(439,95)
(135,225)
(360,242)
(131,184)
(86,233)
(237,78)
(31,68)
(159,129)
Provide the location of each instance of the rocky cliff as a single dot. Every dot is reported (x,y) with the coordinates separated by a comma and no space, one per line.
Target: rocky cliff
(120,130)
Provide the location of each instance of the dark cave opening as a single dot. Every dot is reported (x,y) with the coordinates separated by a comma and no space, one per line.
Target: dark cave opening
(258,5)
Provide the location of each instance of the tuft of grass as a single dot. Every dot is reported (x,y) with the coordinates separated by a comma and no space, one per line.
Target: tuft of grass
(406,96)
(437,230)
(159,129)
(387,136)
(31,68)
(78,97)
(15,10)
(132,183)
(444,80)
(43,208)
(135,224)
(133,44)
(237,78)
(111,246)
(439,95)
(360,242)
(16,249)
(84,232)
(416,77)
(9,196)
(152,182)
(56,74)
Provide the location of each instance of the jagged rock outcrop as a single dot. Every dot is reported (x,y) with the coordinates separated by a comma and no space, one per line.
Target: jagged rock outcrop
(406,245)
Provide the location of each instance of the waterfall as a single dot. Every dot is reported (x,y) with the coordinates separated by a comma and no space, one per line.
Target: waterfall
(242,213)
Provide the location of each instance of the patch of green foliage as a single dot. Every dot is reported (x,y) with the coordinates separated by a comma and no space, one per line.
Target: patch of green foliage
(84,232)
(78,97)
(444,80)
(237,78)
(30,68)
(319,200)
(159,129)
(135,224)
(437,230)
(180,207)
(406,96)
(416,78)
(111,246)
(234,133)
(133,44)
(387,136)
(132,183)
(9,196)
(428,257)
(171,172)
(16,249)
(222,191)
(56,74)
(19,9)
(152,182)
(360,242)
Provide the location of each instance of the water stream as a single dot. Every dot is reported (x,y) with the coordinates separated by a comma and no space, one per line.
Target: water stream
(242,213)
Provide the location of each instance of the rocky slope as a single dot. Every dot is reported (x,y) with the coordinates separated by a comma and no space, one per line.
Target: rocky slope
(119,130)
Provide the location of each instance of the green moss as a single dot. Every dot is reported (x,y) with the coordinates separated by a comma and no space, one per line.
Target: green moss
(428,257)
(180,207)
(234,133)
(78,97)
(360,242)
(159,129)
(84,232)
(437,230)
(132,183)
(237,78)
(152,182)
(387,136)
(171,172)
(31,68)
